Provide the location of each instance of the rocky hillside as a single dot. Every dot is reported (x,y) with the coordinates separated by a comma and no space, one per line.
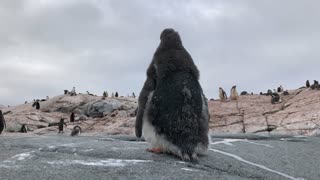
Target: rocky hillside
(297,114)
(92,114)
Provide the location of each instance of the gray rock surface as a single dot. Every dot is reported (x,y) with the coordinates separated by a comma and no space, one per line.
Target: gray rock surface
(124,157)
(98,109)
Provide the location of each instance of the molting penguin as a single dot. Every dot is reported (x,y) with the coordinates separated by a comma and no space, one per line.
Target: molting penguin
(222,94)
(173,112)
(2,122)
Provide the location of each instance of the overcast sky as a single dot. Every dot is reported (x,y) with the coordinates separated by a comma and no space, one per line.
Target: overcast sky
(47,46)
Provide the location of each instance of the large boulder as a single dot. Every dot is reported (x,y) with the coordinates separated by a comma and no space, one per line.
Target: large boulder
(98,109)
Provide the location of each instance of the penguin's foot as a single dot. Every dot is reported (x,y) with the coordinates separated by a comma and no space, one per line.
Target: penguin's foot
(188,157)
(156,150)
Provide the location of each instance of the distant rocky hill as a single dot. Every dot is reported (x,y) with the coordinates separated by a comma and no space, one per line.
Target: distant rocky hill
(92,114)
(297,114)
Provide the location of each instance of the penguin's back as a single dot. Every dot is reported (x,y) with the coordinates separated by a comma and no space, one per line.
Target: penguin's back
(176,110)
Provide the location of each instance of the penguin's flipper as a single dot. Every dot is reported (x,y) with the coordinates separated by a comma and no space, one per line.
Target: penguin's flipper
(148,87)
(4,122)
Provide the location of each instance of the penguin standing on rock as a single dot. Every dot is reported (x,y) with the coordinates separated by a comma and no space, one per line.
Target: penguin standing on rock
(222,94)
(307,84)
(173,112)
(24,128)
(275,98)
(234,93)
(72,117)
(2,122)
(60,125)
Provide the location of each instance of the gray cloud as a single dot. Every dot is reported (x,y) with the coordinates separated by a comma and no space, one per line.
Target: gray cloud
(47,46)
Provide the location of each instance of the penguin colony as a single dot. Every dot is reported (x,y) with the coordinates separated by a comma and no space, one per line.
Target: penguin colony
(173,112)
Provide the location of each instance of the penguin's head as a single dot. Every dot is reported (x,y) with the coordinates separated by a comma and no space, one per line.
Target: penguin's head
(170,39)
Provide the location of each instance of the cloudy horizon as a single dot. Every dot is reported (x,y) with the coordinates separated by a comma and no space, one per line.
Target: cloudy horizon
(47,46)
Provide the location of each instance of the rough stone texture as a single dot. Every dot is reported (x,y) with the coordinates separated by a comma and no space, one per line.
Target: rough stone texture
(297,114)
(92,114)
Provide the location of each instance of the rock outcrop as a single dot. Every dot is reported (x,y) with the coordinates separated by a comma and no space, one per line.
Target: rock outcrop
(297,114)
(93,115)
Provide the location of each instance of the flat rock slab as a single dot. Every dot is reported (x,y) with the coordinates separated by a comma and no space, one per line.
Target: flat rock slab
(125,157)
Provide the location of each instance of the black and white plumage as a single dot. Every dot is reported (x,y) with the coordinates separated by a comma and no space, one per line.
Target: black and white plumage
(275,98)
(234,93)
(24,128)
(173,112)
(2,122)
(76,131)
(222,94)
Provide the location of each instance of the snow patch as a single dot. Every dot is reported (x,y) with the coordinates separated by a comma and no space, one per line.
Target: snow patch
(22,156)
(230,141)
(188,169)
(108,162)
(256,165)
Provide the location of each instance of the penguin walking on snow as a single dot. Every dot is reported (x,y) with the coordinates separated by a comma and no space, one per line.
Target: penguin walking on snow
(173,111)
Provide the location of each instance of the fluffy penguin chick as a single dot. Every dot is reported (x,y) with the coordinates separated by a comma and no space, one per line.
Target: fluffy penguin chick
(173,111)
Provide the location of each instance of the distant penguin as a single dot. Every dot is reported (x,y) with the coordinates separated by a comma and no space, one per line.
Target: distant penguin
(60,125)
(37,105)
(281,88)
(261,93)
(89,93)
(76,131)
(73,92)
(116,95)
(173,111)
(269,92)
(234,94)
(2,122)
(133,95)
(222,94)
(307,84)
(24,128)
(315,85)
(244,93)
(26,102)
(278,90)
(285,93)
(66,92)
(72,117)
(275,97)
